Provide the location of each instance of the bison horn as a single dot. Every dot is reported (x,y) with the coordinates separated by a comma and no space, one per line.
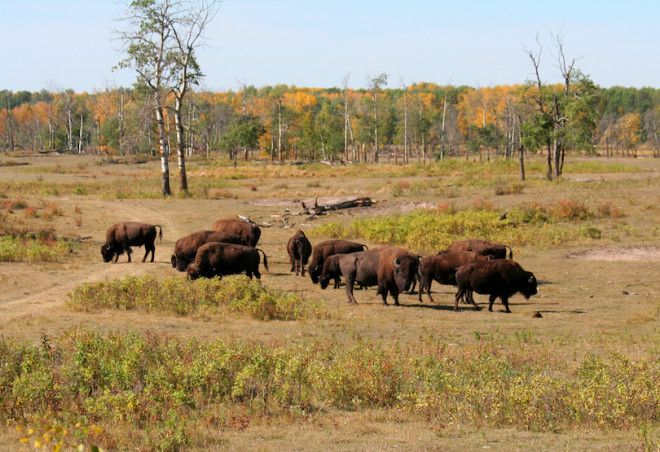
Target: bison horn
(531,279)
(397,262)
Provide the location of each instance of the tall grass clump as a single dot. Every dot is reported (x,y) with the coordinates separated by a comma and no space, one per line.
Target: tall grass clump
(33,249)
(183,297)
(432,229)
(147,391)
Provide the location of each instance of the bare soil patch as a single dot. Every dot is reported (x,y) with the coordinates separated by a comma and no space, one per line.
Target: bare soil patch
(619,254)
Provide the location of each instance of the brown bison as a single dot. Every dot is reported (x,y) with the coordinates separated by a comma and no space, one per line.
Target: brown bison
(121,237)
(219,259)
(328,248)
(332,270)
(247,230)
(442,268)
(391,268)
(499,278)
(299,249)
(483,247)
(186,247)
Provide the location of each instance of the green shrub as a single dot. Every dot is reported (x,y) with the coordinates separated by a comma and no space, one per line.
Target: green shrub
(433,229)
(181,296)
(33,249)
(126,390)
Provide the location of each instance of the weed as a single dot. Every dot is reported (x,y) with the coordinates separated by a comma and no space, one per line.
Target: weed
(101,386)
(21,249)
(183,297)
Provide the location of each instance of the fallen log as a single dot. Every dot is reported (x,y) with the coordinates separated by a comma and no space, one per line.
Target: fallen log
(322,209)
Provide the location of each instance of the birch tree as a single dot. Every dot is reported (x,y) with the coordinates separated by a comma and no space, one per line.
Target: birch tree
(187,29)
(147,41)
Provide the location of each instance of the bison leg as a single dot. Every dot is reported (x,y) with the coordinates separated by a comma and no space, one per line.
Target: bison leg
(129,251)
(349,290)
(458,296)
(395,295)
(293,265)
(338,283)
(382,291)
(302,268)
(116,257)
(505,302)
(491,300)
(147,250)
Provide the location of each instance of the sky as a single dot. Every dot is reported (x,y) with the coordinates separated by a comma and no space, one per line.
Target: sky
(57,44)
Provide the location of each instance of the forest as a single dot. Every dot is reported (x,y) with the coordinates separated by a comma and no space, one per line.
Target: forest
(421,122)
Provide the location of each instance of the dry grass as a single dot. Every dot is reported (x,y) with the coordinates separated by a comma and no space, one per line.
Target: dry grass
(598,325)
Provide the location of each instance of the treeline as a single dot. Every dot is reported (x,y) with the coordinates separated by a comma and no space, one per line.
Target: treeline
(422,121)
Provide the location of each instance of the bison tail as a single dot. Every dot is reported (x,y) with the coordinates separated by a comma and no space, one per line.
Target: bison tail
(510,251)
(265,258)
(160,231)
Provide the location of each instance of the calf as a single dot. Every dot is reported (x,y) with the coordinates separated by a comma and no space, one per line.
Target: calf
(219,259)
(499,278)
(442,268)
(392,269)
(332,270)
(325,249)
(483,247)
(120,237)
(299,249)
(186,247)
(247,230)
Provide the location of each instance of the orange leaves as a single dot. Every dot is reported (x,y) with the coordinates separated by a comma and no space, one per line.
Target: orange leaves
(299,101)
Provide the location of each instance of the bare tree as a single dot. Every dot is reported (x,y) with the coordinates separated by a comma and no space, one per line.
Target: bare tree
(376,85)
(187,29)
(147,41)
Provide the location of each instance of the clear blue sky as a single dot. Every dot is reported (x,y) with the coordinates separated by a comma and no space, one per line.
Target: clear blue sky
(68,43)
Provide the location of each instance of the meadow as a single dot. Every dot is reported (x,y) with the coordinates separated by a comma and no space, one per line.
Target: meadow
(134,355)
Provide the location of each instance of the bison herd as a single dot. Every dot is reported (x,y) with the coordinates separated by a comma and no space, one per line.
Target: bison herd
(230,248)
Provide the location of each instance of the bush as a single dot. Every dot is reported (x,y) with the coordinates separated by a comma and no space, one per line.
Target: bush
(184,297)
(22,249)
(125,390)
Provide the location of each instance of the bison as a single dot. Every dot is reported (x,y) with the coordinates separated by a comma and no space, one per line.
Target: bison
(442,268)
(497,278)
(186,247)
(120,237)
(392,269)
(247,230)
(332,270)
(483,247)
(299,249)
(328,248)
(219,259)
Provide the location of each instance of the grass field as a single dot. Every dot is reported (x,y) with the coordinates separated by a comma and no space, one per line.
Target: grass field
(118,355)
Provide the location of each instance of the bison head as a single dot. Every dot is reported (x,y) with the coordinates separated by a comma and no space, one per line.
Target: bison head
(529,286)
(405,271)
(193,272)
(314,271)
(107,252)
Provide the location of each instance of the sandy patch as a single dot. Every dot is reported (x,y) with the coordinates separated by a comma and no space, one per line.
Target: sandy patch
(616,254)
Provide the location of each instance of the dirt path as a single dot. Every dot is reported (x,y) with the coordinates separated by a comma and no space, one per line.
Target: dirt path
(54,295)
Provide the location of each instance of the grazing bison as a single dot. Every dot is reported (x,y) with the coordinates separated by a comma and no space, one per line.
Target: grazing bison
(392,269)
(499,278)
(219,259)
(328,248)
(332,269)
(299,249)
(442,268)
(247,230)
(121,237)
(186,247)
(483,247)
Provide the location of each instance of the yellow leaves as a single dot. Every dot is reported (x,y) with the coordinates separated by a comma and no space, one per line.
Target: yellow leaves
(299,101)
